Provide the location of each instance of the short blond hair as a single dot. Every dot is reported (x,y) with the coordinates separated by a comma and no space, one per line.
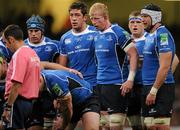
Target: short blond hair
(99,7)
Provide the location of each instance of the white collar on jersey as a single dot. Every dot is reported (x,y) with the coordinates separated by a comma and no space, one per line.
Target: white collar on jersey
(39,44)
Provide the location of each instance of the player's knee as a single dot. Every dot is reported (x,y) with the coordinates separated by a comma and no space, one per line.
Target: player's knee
(117,119)
(104,120)
(151,121)
(135,120)
(113,120)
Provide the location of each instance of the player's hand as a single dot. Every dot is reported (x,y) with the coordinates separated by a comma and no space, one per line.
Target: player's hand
(76,72)
(56,103)
(126,87)
(150,99)
(6,116)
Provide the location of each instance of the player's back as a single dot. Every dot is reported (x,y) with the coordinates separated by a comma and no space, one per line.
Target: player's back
(61,82)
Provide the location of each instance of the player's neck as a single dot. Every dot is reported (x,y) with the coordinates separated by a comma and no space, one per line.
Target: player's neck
(157,25)
(83,27)
(19,44)
(107,25)
(136,36)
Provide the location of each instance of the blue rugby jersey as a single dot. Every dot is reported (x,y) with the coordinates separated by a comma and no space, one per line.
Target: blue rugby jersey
(111,58)
(47,50)
(139,42)
(80,50)
(160,41)
(61,82)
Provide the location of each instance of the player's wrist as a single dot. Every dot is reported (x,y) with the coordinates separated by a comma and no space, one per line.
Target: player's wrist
(153,91)
(70,70)
(131,75)
(7,107)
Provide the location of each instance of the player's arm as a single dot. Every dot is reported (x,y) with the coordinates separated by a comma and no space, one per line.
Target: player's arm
(133,58)
(63,60)
(64,112)
(3,67)
(55,66)
(175,63)
(164,66)
(56,58)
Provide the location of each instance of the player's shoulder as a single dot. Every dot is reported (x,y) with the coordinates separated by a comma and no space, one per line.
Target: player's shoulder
(67,34)
(118,30)
(162,29)
(48,40)
(26,41)
(116,27)
(91,28)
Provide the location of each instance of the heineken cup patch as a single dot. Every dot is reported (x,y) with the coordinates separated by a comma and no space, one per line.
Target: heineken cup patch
(57,90)
(163,39)
(126,34)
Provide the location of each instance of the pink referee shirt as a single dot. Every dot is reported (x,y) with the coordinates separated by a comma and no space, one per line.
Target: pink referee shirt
(24,68)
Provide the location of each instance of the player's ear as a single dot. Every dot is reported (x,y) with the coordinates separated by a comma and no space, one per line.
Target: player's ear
(11,39)
(85,17)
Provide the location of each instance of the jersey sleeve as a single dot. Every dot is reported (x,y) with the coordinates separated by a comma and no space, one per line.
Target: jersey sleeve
(165,42)
(123,37)
(62,46)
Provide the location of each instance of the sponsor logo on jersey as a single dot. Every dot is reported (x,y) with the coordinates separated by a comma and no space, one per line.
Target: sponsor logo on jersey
(109,38)
(149,40)
(57,90)
(95,38)
(126,34)
(100,46)
(90,38)
(78,47)
(67,41)
(37,49)
(48,48)
(163,39)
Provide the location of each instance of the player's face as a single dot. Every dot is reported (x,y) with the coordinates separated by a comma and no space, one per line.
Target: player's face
(98,20)
(35,35)
(147,21)
(8,43)
(77,19)
(136,27)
